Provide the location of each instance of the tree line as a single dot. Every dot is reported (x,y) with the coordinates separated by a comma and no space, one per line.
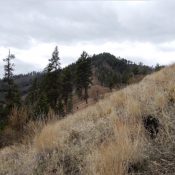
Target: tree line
(53,90)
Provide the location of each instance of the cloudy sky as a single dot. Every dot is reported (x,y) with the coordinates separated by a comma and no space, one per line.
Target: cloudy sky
(142,31)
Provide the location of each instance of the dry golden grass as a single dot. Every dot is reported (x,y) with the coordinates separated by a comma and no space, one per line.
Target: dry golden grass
(18,118)
(112,157)
(107,138)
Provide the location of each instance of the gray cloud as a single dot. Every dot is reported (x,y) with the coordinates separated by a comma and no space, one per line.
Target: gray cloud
(23,67)
(140,30)
(89,21)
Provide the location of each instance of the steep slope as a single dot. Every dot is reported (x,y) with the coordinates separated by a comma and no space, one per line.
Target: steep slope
(108,138)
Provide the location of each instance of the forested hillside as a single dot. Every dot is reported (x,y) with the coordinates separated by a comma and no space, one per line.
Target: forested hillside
(108,70)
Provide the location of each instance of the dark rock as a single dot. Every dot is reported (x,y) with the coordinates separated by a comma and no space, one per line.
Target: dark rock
(138,167)
(151,124)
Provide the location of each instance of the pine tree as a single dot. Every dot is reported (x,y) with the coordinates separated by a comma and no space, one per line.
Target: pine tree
(69,105)
(67,87)
(34,92)
(83,75)
(41,107)
(34,99)
(51,84)
(12,97)
(111,80)
(54,64)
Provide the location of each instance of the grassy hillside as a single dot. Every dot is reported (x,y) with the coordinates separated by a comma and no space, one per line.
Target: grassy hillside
(108,138)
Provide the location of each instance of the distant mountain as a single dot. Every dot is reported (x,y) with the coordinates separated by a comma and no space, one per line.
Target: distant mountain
(109,69)
(23,82)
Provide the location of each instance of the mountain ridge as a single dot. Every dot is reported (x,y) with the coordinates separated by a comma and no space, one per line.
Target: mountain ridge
(105,65)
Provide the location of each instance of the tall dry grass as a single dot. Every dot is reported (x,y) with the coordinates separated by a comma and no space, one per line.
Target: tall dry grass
(108,138)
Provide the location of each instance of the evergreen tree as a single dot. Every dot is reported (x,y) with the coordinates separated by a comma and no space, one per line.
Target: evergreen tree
(12,97)
(51,84)
(37,100)
(125,77)
(158,67)
(67,87)
(54,64)
(34,92)
(112,78)
(69,105)
(41,106)
(83,75)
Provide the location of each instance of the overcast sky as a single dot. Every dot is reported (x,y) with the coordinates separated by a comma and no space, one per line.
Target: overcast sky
(142,31)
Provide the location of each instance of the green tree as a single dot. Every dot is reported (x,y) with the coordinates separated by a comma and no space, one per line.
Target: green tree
(83,75)
(54,64)
(51,84)
(112,80)
(41,106)
(158,67)
(37,100)
(34,92)
(125,77)
(69,104)
(67,87)
(12,97)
